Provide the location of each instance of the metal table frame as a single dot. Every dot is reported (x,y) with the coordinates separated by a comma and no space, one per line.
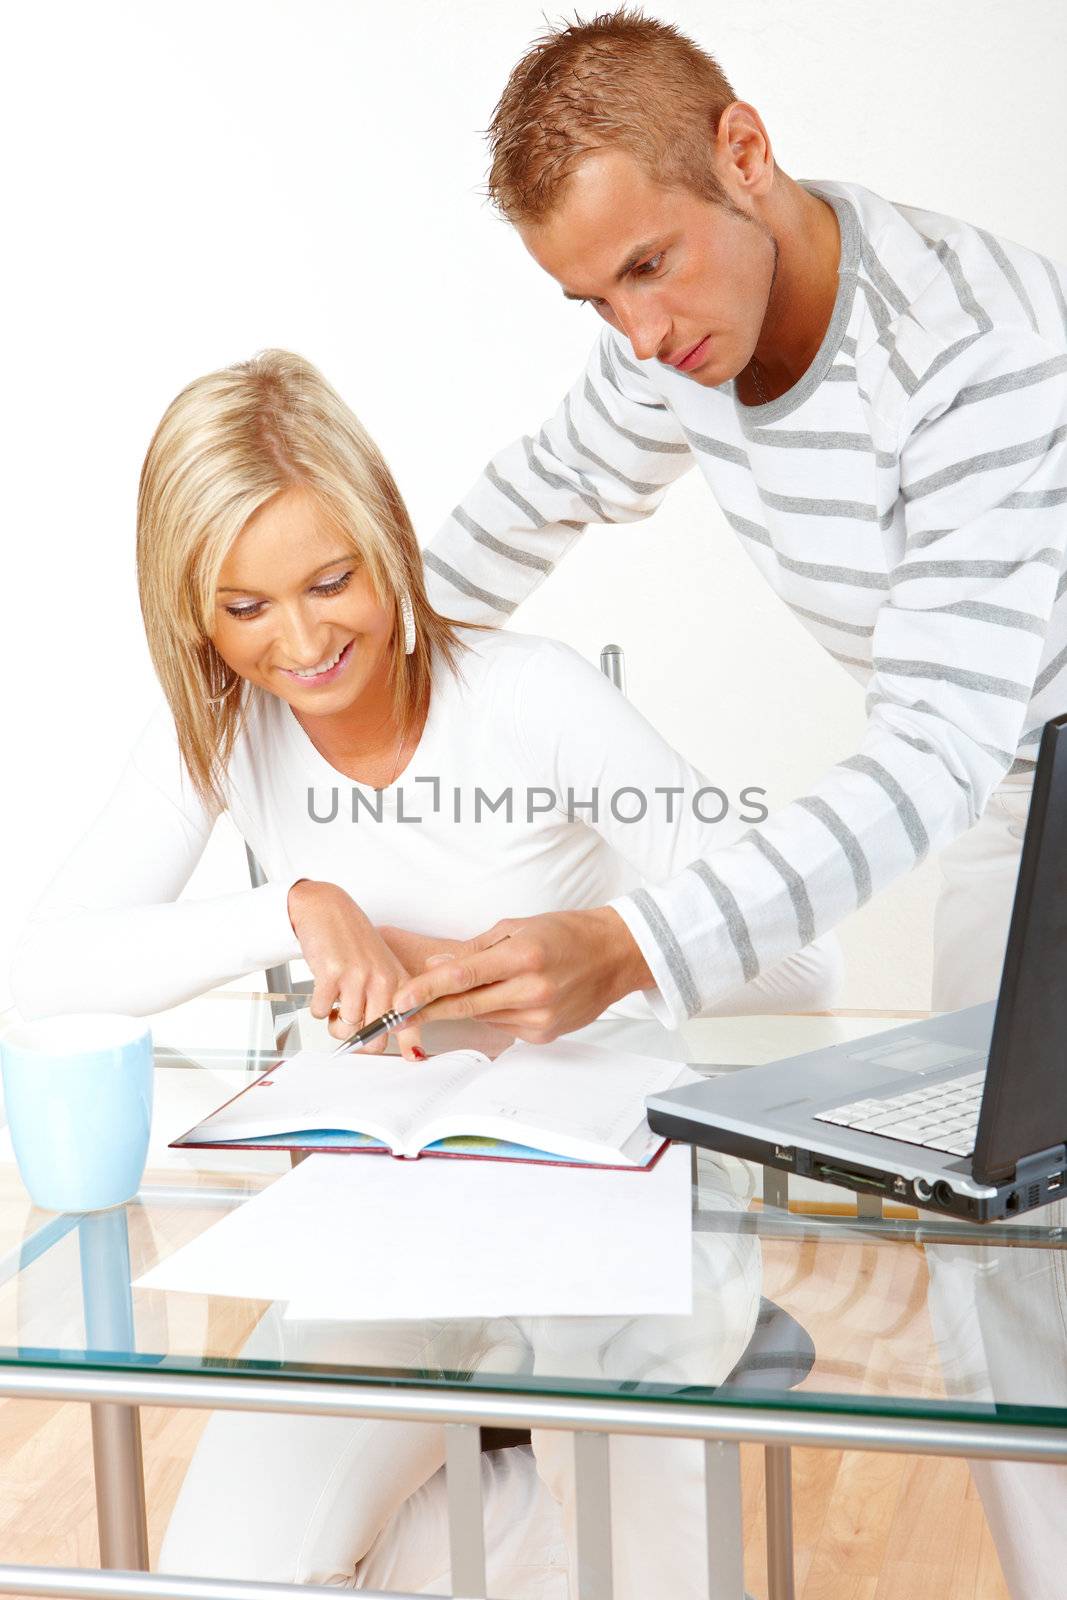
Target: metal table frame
(114,1397)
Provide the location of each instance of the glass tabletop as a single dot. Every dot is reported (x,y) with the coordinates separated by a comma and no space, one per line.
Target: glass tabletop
(809,1308)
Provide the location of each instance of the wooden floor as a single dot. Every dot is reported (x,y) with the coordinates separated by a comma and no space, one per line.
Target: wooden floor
(878,1528)
(867,1527)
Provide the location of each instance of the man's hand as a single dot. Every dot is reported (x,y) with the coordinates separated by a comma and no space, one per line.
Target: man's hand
(539,977)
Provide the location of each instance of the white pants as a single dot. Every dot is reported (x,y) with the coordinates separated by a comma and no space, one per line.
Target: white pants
(358,1504)
(1000,1314)
(971,919)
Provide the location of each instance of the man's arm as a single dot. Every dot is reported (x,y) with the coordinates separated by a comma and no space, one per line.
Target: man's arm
(608,454)
(612,770)
(958,650)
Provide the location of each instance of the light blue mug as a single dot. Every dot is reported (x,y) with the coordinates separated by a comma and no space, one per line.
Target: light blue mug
(78,1094)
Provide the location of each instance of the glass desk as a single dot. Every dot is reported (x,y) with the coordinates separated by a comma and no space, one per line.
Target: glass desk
(813,1324)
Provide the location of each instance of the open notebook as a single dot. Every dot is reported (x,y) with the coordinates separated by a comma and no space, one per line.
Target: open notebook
(560,1102)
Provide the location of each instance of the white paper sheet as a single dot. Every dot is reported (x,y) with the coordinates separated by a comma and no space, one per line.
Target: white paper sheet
(368,1237)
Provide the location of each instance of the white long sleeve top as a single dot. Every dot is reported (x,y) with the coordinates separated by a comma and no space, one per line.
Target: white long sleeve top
(510,805)
(906,498)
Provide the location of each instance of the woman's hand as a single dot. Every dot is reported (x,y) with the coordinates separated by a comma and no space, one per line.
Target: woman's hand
(354,969)
(415,951)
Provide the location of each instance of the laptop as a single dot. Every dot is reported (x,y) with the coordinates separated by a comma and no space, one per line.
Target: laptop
(965,1113)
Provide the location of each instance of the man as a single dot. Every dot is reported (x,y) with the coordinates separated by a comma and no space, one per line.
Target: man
(877,398)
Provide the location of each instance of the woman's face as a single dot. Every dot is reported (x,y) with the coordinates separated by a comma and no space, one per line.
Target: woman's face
(295,611)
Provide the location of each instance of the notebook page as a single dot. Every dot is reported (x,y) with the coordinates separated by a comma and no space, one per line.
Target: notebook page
(576,1099)
(379,1095)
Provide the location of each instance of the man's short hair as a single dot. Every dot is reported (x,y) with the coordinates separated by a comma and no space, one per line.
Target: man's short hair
(620,81)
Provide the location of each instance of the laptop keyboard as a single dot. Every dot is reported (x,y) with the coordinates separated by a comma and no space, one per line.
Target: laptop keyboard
(939,1116)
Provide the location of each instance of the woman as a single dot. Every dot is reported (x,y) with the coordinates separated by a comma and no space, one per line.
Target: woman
(272,541)
(404,783)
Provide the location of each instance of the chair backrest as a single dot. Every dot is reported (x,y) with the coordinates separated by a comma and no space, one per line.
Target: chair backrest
(255,871)
(613,665)
(279,978)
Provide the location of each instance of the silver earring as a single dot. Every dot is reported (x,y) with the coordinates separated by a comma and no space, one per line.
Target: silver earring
(407,612)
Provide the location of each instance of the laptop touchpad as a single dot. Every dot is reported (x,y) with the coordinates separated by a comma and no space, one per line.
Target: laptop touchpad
(913,1053)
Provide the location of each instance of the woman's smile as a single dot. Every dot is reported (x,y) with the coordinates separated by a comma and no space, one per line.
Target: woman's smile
(327,673)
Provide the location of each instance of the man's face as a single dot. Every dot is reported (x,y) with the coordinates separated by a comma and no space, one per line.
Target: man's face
(686,281)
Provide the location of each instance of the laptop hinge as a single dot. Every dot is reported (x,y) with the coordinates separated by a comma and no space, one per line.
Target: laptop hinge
(1028,1169)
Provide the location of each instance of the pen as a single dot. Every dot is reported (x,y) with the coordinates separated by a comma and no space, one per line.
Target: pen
(383,1024)
(388,1021)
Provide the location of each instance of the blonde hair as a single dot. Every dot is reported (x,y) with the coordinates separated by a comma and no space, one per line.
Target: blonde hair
(228,443)
(622,80)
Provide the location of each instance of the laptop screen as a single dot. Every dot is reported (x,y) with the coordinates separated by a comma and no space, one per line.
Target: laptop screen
(1024,1108)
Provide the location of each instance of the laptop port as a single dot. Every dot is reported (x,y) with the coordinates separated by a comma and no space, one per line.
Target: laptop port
(849,1180)
(1012,1202)
(1056,1182)
(943,1193)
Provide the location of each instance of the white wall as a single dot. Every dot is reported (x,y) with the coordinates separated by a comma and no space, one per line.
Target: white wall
(192,181)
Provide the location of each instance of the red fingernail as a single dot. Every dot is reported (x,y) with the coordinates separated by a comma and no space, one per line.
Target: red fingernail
(420,1055)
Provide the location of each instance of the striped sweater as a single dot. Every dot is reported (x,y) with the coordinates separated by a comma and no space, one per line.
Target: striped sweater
(906,498)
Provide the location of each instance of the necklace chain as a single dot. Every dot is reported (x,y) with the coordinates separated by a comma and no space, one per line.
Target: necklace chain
(399,753)
(758,381)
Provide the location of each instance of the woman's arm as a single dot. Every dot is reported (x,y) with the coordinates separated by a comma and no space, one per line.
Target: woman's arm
(587,740)
(109,932)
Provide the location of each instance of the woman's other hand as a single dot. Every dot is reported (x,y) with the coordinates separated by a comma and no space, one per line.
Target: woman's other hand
(354,970)
(415,951)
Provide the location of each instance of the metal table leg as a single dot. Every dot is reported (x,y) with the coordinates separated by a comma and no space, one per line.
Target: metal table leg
(466,1526)
(118,1473)
(592,1515)
(118,1466)
(778,1477)
(722,1486)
